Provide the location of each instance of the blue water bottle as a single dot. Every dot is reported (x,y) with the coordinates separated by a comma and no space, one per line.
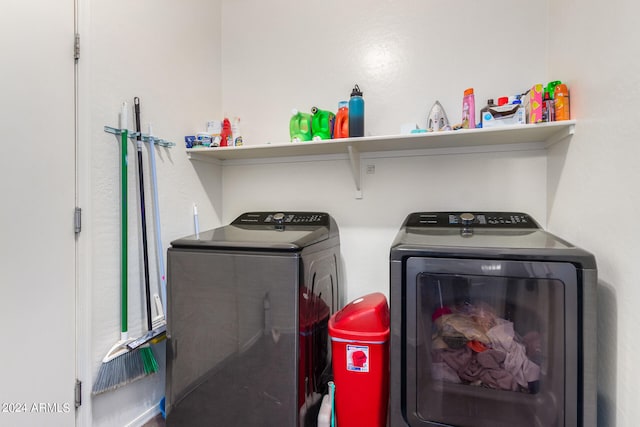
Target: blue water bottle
(356,113)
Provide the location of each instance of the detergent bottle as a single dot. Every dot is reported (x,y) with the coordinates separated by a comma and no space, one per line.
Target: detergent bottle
(341,126)
(225,135)
(356,113)
(300,126)
(322,124)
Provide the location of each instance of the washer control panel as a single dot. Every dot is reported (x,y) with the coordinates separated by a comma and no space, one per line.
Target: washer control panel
(471,219)
(289,218)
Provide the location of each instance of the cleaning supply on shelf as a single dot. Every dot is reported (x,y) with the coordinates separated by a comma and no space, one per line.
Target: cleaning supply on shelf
(485,109)
(225,134)
(322,123)
(300,126)
(551,87)
(190,141)
(548,108)
(437,119)
(505,115)
(201,138)
(533,103)
(356,113)
(214,128)
(561,101)
(235,132)
(468,109)
(341,125)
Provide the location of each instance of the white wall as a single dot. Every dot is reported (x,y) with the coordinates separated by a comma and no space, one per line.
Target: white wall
(593,180)
(398,187)
(404,55)
(168,54)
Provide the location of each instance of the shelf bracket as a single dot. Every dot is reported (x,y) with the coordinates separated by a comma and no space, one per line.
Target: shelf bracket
(560,135)
(354,161)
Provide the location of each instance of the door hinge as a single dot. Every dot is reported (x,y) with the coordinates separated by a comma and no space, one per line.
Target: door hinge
(77,220)
(76,47)
(78,393)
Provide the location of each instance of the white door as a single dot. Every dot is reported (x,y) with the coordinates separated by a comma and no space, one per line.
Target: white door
(37,198)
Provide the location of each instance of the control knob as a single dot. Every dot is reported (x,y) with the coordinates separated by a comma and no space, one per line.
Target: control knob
(467,218)
(279,220)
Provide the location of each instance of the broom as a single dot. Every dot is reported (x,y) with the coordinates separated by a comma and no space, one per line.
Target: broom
(121,366)
(142,343)
(156,332)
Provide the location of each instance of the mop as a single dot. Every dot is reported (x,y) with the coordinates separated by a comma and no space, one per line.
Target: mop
(121,365)
(156,219)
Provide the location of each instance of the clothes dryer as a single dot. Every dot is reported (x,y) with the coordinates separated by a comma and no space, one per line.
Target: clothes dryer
(247,320)
(493,323)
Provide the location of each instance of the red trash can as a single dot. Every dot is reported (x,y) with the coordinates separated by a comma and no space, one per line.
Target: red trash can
(360,351)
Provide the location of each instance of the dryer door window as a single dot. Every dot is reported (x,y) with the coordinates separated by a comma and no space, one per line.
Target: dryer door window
(488,341)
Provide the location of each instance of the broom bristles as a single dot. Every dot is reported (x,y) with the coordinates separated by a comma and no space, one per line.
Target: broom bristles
(124,369)
(148,360)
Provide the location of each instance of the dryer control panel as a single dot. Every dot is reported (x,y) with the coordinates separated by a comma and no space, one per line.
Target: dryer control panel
(472,219)
(289,218)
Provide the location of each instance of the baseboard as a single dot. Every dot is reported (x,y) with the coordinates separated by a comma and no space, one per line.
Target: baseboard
(146,416)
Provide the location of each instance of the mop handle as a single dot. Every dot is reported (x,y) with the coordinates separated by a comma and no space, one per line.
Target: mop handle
(124,272)
(123,235)
(156,219)
(145,251)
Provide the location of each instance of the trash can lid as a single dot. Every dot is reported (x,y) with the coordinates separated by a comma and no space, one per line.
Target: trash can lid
(364,319)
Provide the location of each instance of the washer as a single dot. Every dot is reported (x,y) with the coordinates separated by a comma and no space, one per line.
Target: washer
(493,323)
(247,320)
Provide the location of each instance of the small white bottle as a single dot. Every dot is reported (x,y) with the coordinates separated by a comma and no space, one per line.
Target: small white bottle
(235,132)
(214,128)
(324,415)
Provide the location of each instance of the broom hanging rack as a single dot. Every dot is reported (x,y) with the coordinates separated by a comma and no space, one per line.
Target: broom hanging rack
(145,137)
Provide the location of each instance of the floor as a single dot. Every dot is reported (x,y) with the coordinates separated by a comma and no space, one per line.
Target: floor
(156,421)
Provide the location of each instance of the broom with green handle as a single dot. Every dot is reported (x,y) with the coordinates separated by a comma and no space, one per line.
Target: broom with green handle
(121,365)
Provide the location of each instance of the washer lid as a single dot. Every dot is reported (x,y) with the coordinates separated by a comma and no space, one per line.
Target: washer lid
(276,231)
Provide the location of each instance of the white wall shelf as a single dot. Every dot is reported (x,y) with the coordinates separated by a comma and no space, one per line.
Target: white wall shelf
(542,134)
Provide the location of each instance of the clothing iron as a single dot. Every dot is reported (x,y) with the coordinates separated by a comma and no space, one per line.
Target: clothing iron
(437,119)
